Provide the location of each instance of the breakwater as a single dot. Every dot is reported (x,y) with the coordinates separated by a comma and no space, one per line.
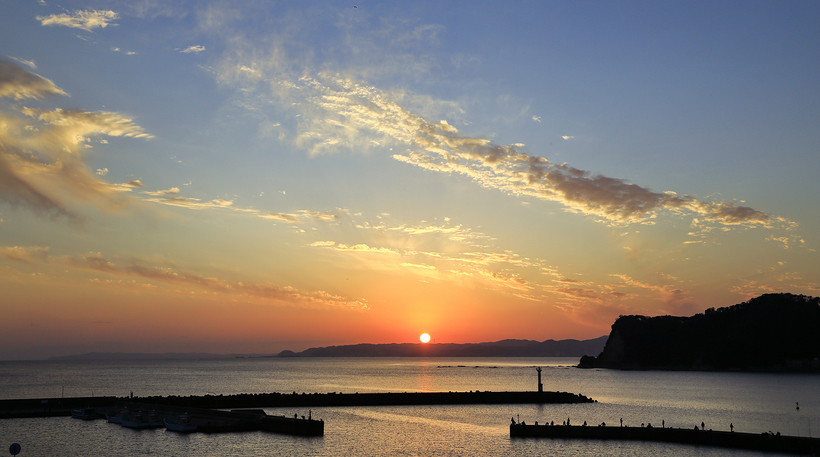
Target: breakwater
(760,442)
(63,406)
(273,400)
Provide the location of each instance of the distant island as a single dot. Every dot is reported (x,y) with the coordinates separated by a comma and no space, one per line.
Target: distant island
(773,332)
(503,348)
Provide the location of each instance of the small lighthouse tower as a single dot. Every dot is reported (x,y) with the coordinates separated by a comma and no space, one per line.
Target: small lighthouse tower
(540,386)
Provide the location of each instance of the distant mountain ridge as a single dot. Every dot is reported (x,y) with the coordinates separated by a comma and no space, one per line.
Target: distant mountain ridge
(773,332)
(503,348)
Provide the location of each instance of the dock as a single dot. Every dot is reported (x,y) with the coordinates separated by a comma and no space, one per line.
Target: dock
(760,442)
(236,420)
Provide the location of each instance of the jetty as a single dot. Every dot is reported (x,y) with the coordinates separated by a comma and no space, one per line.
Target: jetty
(48,407)
(760,442)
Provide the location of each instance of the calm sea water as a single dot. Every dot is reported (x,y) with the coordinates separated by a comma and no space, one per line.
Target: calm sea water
(752,402)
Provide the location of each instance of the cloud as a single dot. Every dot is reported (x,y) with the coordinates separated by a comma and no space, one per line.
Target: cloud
(134,183)
(264,291)
(42,163)
(136,268)
(128,53)
(192,203)
(25,254)
(171,191)
(567,137)
(280,216)
(325,216)
(28,63)
(196,49)
(86,20)
(536,118)
(346,113)
(365,248)
(19,83)
(101,171)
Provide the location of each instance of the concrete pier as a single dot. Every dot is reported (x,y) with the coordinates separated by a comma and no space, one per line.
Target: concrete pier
(760,442)
(273,400)
(62,406)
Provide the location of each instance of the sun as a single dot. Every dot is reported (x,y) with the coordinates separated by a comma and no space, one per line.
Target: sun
(425,338)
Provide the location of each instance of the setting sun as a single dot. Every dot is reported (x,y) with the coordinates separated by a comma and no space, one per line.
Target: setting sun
(425,338)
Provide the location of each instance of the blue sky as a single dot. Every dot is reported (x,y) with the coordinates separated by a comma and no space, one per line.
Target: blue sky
(256,176)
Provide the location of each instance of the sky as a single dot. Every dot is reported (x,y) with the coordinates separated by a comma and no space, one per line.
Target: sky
(253,176)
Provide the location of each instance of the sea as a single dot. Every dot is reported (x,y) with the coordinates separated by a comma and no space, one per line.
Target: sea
(750,402)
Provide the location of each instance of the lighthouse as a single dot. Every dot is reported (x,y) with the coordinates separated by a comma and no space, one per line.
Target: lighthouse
(540,386)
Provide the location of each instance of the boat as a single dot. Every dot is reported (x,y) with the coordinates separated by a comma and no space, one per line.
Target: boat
(84,414)
(179,425)
(114,418)
(137,421)
(140,421)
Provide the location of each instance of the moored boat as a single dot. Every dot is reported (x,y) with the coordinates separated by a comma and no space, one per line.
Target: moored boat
(84,414)
(140,421)
(114,418)
(179,425)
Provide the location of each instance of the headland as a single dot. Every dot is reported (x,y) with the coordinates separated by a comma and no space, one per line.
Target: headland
(771,333)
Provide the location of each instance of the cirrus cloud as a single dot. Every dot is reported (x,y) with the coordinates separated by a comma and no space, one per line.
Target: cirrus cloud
(86,20)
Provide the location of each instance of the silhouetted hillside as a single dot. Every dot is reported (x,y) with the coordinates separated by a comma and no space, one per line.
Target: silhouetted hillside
(504,348)
(777,332)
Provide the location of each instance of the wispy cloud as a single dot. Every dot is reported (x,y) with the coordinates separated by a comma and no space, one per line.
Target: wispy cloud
(25,254)
(19,83)
(191,203)
(42,156)
(280,217)
(343,112)
(86,20)
(139,269)
(196,49)
(171,191)
(28,63)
